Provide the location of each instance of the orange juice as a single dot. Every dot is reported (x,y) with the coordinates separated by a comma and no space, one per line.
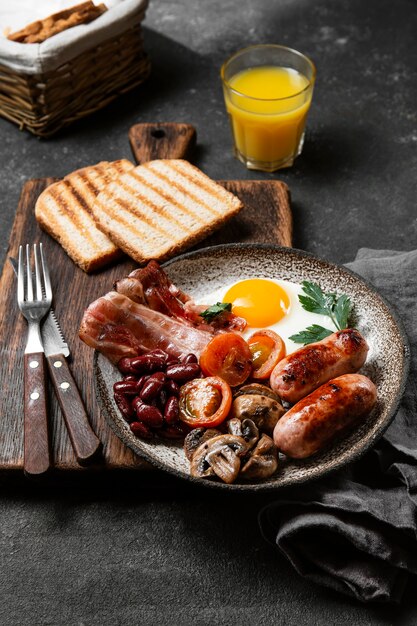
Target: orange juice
(268,106)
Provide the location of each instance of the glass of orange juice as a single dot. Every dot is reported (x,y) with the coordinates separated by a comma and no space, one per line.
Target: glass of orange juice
(268,90)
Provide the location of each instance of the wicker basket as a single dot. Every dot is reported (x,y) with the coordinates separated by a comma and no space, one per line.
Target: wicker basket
(45,103)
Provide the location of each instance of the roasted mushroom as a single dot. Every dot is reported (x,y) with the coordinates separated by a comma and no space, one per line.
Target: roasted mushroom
(256,389)
(234,426)
(246,429)
(263,460)
(225,463)
(259,404)
(211,457)
(196,437)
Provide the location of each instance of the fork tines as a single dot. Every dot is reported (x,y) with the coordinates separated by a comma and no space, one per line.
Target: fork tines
(25,288)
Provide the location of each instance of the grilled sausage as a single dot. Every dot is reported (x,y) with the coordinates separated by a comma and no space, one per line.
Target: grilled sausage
(306,369)
(331,409)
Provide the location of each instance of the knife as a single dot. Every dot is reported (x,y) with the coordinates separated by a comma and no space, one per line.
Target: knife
(84,441)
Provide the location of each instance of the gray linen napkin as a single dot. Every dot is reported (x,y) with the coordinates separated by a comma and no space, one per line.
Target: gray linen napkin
(356,530)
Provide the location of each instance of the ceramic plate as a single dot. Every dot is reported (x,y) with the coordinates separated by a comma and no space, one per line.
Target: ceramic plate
(204,271)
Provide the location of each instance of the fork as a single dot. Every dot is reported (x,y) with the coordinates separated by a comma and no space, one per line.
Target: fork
(34,305)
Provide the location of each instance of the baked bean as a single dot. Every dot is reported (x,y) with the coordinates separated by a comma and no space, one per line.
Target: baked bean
(124,365)
(125,407)
(172,387)
(150,415)
(174,431)
(152,386)
(126,387)
(159,353)
(171,411)
(141,364)
(141,430)
(162,400)
(183,372)
(135,402)
(141,381)
(189,358)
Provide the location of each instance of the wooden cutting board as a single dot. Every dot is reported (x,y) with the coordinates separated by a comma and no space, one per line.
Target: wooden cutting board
(266,218)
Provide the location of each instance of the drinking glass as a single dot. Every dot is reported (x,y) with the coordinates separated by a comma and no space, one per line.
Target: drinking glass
(268,91)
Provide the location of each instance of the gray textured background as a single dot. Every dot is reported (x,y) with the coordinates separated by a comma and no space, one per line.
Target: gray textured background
(130,549)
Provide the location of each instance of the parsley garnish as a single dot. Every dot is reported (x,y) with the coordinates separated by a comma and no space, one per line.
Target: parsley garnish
(214,310)
(315,300)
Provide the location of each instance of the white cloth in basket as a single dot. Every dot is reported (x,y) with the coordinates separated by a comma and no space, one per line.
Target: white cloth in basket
(44,57)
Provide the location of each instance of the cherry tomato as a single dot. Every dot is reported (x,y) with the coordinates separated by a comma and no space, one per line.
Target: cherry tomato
(227,355)
(205,402)
(267,348)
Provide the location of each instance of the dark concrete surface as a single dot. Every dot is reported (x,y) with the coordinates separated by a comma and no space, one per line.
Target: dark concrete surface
(128,550)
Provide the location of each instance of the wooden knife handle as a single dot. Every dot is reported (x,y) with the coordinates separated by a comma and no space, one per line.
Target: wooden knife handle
(162,141)
(37,455)
(84,441)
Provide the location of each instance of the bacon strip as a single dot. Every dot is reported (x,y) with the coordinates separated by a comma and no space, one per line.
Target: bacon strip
(150,285)
(118,327)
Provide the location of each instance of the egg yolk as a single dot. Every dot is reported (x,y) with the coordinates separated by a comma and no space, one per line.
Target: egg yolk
(260,302)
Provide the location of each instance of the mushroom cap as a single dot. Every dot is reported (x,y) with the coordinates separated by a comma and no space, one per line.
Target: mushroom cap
(211,458)
(261,409)
(246,429)
(196,437)
(258,390)
(263,460)
(225,463)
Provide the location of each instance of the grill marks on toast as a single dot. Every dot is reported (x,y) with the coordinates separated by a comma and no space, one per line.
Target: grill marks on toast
(191,177)
(154,211)
(64,211)
(163,201)
(158,209)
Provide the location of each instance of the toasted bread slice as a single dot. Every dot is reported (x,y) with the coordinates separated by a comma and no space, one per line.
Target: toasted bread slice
(39,31)
(159,209)
(64,211)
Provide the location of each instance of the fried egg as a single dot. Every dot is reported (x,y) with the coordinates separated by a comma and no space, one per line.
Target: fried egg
(266,303)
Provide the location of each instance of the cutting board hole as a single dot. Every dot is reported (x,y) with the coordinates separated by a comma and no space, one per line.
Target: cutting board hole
(158,133)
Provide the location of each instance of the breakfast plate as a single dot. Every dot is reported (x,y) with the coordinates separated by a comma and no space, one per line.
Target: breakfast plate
(207,271)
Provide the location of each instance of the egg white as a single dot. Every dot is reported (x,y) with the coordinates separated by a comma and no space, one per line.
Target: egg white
(296,320)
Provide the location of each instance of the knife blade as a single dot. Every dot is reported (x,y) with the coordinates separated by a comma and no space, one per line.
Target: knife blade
(52,336)
(84,441)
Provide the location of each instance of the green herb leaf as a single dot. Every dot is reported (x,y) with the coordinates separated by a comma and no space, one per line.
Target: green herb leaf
(216,309)
(342,311)
(315,300)
(311,334)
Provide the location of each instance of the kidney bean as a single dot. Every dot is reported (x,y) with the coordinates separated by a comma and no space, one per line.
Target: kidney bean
(183,372)
(141,381)
(130,377)
(126,387)
(141,430)
(137,400)
(189,358)
(172,362)
(160,353)
(141,364)
(171,411)
(173,431)
(124,365)
(125,407)
(152,386)
(161,400)
(172,387)
(150,415)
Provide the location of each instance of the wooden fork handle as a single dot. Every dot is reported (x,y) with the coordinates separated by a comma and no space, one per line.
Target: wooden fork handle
(37,455)
(84,441)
